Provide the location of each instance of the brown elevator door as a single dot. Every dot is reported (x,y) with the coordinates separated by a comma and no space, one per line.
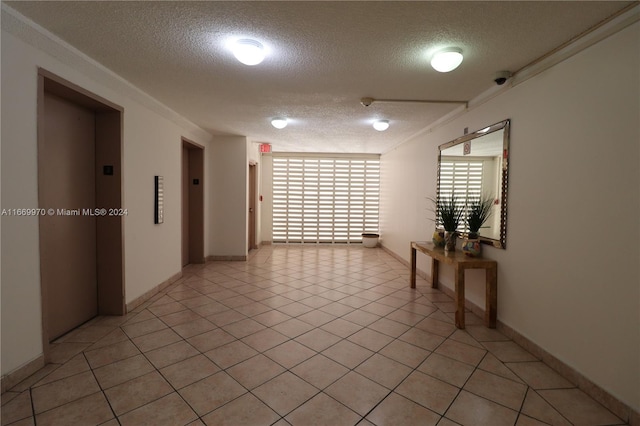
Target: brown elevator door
(68,237)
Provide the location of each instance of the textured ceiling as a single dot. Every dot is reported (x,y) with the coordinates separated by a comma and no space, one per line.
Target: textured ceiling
(323,58)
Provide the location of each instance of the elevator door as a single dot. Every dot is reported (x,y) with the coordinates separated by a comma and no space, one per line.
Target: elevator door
(68,237)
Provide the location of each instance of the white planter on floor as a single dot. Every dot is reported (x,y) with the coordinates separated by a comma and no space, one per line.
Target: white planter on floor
(370,240)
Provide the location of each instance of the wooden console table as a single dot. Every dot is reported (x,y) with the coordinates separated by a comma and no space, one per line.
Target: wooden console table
(460,262)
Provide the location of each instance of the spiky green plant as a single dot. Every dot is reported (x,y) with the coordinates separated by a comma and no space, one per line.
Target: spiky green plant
(449,212)
(479,210)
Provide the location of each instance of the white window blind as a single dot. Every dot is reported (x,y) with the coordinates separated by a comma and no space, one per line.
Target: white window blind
(461,179)
(325,200)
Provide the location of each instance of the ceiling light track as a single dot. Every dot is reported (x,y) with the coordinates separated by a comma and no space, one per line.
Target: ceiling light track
(368,101)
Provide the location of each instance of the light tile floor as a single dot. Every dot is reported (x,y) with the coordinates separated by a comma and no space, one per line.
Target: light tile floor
(297,335)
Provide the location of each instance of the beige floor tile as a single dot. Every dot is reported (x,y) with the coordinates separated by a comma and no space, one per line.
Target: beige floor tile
(284,393)
(188,371)
(230,354)
(167,411)
(322,410)
(137,392)
(155,340)
(290,353)
(210,340)
(109,354)
(461,352)
(225,318)
(210,309)
(63,352)
(193,328)
(63,391)
(484,334)
(428,391)
(119,372)
(405,353)
(75,365)
(271,318)
(509,351)
(357,392)
(528,421)
(389,327)
(493,365)
(17,409)
(384,371)
(469,409)
(320,371)
(347,353)
(423,339)
(143,327)
(497,389)
(90,410)
(212,392)
(253,309)
(398,410)
(341,327)
(435,326)
(536,407)
(89,334)
(265,339)
(30,421)
(255,371)
(115,336)
(317,318)
(370,339)
(246,410)
(337,308)
(293,327)
(361,317)
(539,376)
(449,370)
(243,328)
(318,339)
(171,354)
(579,408)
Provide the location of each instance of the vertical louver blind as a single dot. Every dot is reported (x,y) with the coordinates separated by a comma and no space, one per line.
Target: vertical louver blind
(325,200)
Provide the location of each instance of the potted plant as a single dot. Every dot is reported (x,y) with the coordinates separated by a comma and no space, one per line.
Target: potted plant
(479,210)
(449,212)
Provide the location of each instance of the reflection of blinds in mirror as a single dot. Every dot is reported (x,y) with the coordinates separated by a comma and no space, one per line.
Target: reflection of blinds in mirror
(462,179)
(317,199)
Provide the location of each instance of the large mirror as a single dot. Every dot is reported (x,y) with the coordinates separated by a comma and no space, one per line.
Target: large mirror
(476,165)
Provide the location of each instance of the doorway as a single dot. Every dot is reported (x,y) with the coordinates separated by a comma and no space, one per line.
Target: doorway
(251,243)
(79,174)
(192,203)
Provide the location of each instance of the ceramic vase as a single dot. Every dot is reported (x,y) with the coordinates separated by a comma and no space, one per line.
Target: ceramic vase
(449,241)
(438,238)
(471,247)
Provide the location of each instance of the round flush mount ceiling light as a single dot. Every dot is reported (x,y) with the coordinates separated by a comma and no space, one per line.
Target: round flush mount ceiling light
(446,60)
(249,52)
(279,123)
(381,125)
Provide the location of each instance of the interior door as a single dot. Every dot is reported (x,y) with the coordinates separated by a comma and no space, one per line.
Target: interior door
(67,236)
(252,207)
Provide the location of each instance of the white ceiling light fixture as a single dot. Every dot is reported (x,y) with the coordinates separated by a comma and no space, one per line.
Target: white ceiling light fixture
(249,52)
(279,123)
(447,59)
(381,125)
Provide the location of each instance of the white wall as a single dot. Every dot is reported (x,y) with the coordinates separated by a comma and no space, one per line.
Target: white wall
(152,146)
(228,196)
(564,284)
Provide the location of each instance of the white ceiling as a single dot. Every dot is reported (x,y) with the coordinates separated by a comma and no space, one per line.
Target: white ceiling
(323,58)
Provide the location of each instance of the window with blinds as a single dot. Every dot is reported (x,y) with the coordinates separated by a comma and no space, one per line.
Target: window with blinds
(325,200)
(461,179)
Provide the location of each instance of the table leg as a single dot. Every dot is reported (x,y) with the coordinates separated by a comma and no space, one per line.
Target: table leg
(459,278)
(491,308)
(413,267)
(435,270)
